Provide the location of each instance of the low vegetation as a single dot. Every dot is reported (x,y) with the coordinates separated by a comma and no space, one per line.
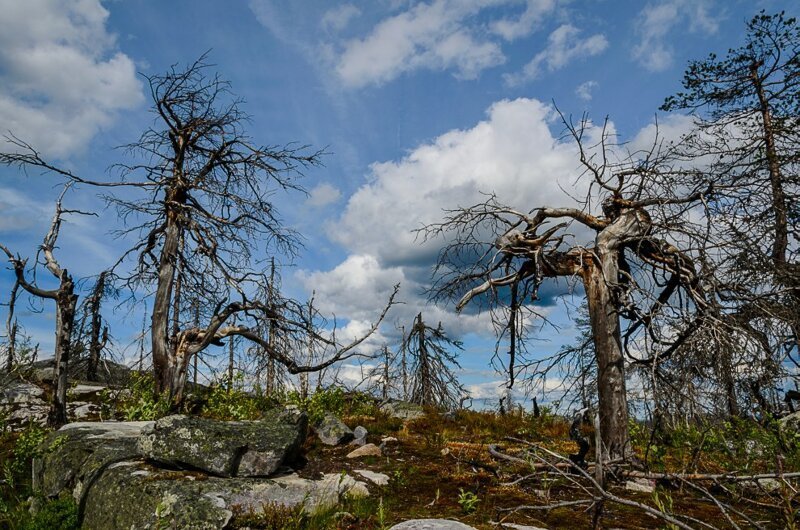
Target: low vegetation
(441,466)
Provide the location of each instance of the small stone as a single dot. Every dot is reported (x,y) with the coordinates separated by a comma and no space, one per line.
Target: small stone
(365,450)
(641,485)
(360,434)
(445,451)
(331,431)
(376,478)
(388,439)
(769,484)
(85,410)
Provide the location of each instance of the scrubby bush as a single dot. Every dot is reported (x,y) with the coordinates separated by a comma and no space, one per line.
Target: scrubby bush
(141,403)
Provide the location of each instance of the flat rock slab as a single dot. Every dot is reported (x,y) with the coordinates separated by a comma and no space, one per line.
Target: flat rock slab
(21,392)
(365,450)
(226,448)
(431,524)
(640,485)
(82,392)
(136,496)
(403,410)
(376,478)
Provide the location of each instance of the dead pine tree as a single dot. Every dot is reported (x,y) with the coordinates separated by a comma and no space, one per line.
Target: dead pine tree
(11,329)
(65,300)
(98,333)
(628,268)
(433,361)
(204,192)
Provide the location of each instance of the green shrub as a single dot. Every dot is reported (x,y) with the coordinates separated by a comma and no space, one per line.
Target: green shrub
(468,501)
(234,404)
(142,404)
(333,400)
(60,513)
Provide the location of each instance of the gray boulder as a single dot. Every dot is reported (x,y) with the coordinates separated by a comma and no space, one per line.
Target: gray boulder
(331,431)
(431,524)
(74,456)
(403,410)
(138,496)
(19,392)
(227,449)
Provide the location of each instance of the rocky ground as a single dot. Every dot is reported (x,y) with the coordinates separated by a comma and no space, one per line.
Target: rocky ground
(392,465)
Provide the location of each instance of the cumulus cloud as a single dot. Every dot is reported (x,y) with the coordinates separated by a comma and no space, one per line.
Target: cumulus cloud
(584,90)
(431,36)
(323,195)
(656,21)
(512,153)
(62,78)
(563,46)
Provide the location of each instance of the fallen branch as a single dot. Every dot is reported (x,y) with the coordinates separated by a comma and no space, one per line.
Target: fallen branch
(708,476)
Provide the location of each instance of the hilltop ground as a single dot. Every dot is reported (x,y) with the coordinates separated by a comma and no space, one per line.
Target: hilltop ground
(441,466)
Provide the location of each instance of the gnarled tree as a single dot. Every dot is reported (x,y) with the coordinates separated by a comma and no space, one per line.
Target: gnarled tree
(627,259)
(198,196)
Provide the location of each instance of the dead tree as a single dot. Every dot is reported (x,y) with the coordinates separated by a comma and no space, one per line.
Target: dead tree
(433,360)
(204,195)
(11,328)
(65,300)
(630,267)
(98,333)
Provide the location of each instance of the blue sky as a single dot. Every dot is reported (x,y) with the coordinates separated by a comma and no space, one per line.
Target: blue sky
(422,105)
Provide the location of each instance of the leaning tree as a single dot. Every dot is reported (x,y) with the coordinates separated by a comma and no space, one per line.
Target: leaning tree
(65,300)
(632,245)
(197,193)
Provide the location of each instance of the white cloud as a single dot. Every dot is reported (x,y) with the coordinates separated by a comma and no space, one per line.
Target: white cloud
(584,90)
(656,21)
(337,18)
(323,195)
(511,29)
(430,36)
(563,46)
(512,153)
(61,78)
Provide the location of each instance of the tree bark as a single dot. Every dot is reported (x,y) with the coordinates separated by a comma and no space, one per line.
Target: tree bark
(165,367)
(612,396)
(601,276)
(66,303)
